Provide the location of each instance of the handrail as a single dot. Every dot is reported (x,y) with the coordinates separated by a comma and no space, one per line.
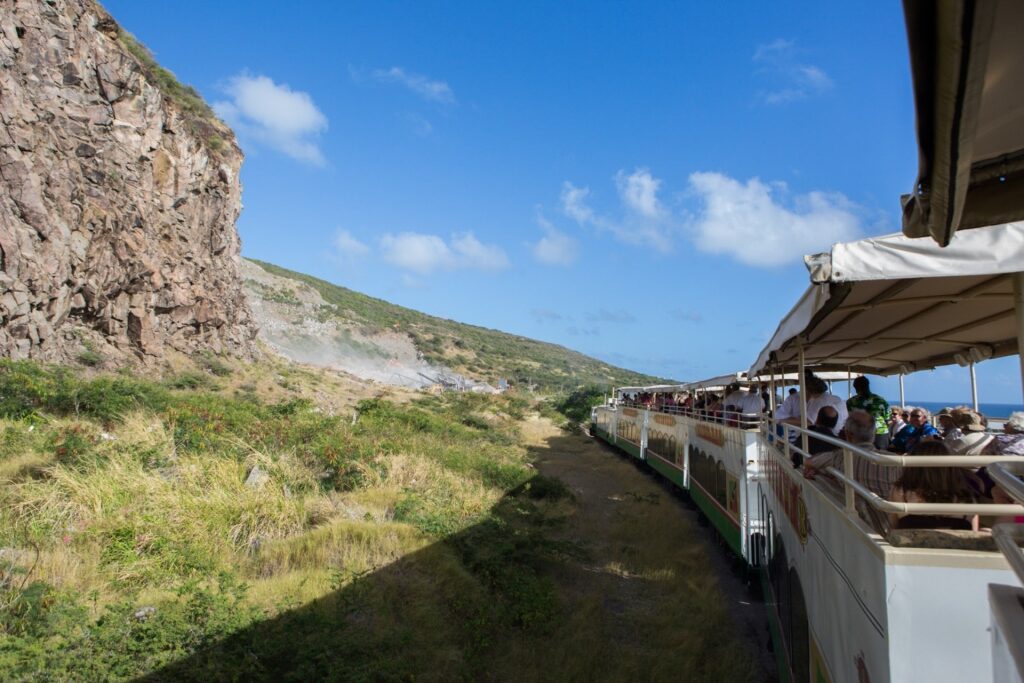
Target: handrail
(885,505)
(1008,480)
(1008,538)
(730,418)
(852,487)
(894,460)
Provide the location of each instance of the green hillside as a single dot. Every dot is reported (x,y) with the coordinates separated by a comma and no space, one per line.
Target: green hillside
(476,352)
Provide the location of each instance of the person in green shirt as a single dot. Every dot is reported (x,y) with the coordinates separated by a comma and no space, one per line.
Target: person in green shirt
(875,406)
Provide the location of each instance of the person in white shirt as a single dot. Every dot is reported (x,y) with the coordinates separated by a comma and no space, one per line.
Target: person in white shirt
(790,407)
(817,397)
(751,404)
(734,395)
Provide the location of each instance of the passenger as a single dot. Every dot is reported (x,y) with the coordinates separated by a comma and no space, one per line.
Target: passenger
(933,485)
(875,406)
(790,407)
(918,430)
(818,396)
(733,397)
(860,432)
(1011,441)
(896,422)
(751,405)
(825,424)
(973,439)
(947,426)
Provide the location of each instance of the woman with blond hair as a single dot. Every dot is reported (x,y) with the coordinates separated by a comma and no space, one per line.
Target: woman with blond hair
(933,485)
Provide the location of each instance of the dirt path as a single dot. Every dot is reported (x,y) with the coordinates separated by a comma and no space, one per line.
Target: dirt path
(655,596)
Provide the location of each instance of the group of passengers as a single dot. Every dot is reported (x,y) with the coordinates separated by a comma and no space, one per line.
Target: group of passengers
(866,421)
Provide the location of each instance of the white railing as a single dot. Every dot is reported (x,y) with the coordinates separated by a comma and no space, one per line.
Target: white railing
(729,418)
(1009,537)
(852,488)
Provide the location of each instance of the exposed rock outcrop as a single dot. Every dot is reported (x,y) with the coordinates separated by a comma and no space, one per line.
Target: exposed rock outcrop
(119,192)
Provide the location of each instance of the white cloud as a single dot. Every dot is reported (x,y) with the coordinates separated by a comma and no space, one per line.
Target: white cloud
(574,203)
(556,248)
(417,252)
(472,253)
(286,120)
(348,247)
(745,220)
(639,192)
(424,254)
(786,78)
(645,220)
(427,88)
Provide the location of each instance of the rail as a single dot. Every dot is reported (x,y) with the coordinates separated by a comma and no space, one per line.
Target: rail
(1009,537)
(729,418)
(853,488)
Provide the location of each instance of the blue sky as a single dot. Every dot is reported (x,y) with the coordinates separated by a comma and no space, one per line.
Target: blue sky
(635,181)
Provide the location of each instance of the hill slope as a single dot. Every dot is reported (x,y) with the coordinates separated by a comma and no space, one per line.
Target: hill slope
(298,313)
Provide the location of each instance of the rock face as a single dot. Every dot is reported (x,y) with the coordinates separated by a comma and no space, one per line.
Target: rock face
(119,192)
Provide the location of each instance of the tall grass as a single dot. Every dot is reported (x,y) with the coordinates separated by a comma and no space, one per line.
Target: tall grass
(119,493)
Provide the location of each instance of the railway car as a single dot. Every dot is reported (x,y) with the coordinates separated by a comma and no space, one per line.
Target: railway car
(857,593)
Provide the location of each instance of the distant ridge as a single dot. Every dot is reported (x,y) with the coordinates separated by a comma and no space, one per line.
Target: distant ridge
(479,353)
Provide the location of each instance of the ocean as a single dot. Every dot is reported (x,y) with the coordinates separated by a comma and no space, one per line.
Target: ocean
(992,410)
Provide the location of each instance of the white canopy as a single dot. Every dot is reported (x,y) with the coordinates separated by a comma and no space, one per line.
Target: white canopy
(893,304)
(967,61)
(715,383)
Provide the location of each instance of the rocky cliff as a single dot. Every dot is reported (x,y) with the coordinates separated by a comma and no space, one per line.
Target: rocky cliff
(119,192)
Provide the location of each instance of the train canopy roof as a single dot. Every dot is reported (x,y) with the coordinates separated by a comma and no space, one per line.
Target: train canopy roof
(967,62)
(892,304)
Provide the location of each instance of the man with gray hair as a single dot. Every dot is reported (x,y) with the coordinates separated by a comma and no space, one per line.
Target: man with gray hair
(860,432)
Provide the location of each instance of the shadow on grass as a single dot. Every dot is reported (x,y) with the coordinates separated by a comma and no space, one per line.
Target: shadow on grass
(436,614)
(500,601)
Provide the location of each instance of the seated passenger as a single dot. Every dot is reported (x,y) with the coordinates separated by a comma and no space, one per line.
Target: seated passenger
(751,405)
(933,485)
(860,432)
(1011,441)
(919,429)
(948,429)
(733,397)
(974,440)
(825,424)
(897,421)
(818,396)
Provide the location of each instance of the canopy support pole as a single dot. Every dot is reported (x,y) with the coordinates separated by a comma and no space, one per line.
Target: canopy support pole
(1018,304)
(903,400)
(849,383)
(974,387)
(803,398)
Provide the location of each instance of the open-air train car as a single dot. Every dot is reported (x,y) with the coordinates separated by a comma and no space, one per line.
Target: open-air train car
(857,598)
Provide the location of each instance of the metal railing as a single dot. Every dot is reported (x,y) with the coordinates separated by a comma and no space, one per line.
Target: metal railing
(729,418)
(853,488)
(1009,537)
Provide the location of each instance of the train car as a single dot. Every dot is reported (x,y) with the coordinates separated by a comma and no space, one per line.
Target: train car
(856,596)
(714,458)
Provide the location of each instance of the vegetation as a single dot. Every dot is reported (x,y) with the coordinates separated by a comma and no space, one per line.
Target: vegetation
(177,530)
(201,119)
(474,351)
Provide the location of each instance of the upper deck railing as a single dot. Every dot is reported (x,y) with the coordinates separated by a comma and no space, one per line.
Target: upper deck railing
(729,418)
(852,489)
(1010,536)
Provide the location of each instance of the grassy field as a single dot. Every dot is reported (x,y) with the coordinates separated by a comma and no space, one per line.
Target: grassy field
(184,529)
(474,351)
(142,522)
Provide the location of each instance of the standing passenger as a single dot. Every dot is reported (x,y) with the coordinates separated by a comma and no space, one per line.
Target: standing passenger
(875,406)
